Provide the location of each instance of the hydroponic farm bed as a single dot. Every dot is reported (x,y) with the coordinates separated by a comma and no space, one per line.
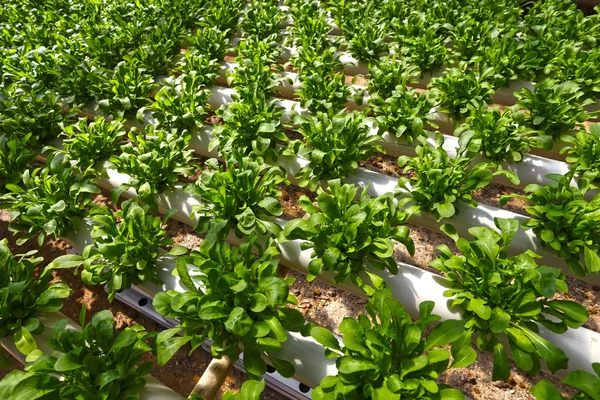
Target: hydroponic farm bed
(299,199)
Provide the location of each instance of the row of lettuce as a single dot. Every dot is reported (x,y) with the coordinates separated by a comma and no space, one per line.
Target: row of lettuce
(335,142)
(241,194)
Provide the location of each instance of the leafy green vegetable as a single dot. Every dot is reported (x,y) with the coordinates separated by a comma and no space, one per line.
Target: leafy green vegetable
(552,109)
(334,145)
(92,364)
(563,220)
(346,236)
(495,134)
(88,143)
(23,293)
(253,76)
(500,294)
(251,125)
(223,15)
(421,42)
(506,58)
(32,112)
(51,200)
(154,159)
(263,19)
(387,73)
(209,42)
(240,300)
(239,196)
(309,30)
(440,181)
(461,92)
(404,113)
(321,86)
(582,68)
(583,152)
(123,90)
(389,356)
(126,246)
(588,385)
(14,159)
(202,65)
(182,103)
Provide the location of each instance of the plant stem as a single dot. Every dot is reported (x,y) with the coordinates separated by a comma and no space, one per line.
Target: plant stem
(213,378)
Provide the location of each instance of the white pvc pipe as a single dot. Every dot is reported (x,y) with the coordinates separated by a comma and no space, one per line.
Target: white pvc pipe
(153,390)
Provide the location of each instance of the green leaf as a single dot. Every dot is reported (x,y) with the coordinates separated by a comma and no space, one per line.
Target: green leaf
(592,261)
(67,362)
(501,371)
(349,365)
(253,362)
(444,333)
(584,381)
(325,338)
(499,320)
(465,357)
(239,322)
(544,390)
(24,341)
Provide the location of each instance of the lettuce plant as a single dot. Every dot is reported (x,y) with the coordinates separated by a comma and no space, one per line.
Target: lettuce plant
(23,293)
(88,143)
(588,386)
(582,68)
(563,220)
(368,43)
(334,144)
(503,295)
(310,27)
(209,42)
(507,59)
(387,73)
(50,202)
(321,87)
(14,159)
(240,196)
(122,90)
(440,181)
(404,113)
(223,15)
(127,244)
(263,19)
(461,92)
(193,61)
(237,299)
(583,153)
(346,235)
(250,125)
(181,104)
(427,51)
(91,364)
(386,355)
(154,160)
(253,75)
(552,109)
(32,112)
(495,134)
